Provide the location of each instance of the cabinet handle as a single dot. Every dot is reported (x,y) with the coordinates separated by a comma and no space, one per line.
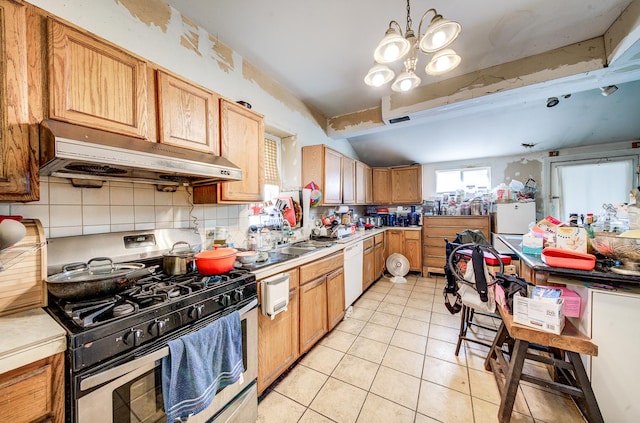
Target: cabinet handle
(334,273)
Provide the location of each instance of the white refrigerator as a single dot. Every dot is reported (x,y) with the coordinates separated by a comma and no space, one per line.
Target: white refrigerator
(512,219)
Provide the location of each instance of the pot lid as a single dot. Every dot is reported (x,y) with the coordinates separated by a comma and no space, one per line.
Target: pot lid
(217,252)
(181,252)
(91,271)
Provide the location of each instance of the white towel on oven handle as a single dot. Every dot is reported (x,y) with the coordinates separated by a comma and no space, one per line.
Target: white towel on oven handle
(199,364)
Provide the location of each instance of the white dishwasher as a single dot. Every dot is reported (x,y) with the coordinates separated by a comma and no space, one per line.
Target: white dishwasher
(352,273)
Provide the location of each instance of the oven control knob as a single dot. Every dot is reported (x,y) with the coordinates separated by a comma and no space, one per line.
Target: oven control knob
(133,338)
(238,295)
(158,327)
(196,311)
(225,300)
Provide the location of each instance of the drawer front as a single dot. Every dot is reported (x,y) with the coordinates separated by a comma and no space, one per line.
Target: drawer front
(27,397)
(368,243)
(379,238)
(434,262)
(309,272)
(444,231)
(412,234)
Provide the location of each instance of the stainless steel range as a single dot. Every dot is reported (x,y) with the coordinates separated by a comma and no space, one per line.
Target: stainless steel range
(116,343)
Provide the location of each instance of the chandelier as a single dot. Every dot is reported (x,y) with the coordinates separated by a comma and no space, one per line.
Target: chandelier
(395,46)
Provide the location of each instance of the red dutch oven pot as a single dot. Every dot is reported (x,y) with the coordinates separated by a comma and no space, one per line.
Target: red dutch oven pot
(215,262)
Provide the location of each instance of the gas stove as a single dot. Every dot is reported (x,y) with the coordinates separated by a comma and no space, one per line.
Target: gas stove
(153,310)
(150,310)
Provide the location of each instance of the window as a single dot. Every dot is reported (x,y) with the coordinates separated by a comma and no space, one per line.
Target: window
(583,186)
(471,180)
(271,167)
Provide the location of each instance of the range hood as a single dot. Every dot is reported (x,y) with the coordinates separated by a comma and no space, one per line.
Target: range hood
(88,156)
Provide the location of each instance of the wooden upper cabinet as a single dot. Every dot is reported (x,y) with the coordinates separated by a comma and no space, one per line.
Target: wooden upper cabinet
(364,191)
(242,142)
(406,185)
(348,180)
(323,166)
(94,84)
(19,179)
(381,177)
(188,115)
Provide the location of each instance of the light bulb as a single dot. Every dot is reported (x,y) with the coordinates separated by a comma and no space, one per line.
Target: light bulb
(443,63)
(438,39)
(391,51)
(377,80)
(405,85)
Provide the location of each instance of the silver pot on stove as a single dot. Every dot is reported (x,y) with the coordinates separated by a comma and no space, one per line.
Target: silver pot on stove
(179,261)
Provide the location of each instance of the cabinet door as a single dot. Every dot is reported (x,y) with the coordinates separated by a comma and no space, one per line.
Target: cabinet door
(313,312)
(243,144)
(335,298)
(413,250)
(361,183)
(348,180)
(368,185)
(395,241)
(278,342)
(332,189)
(34,392)
(378,254)
(188,115)
(368,268)
(406,185)
(94,84)
(19,179)
(381,185)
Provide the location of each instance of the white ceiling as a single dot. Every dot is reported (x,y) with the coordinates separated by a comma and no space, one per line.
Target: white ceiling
(321,51)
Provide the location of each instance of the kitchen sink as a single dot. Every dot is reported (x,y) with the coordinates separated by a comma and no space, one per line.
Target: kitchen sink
(297,251)
(313,244)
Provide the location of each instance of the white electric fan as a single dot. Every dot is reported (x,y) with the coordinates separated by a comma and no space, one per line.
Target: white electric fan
(398,266)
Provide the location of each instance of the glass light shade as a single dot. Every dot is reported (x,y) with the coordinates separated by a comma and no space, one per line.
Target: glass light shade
(405,81)
(442,62)
(378,75)
(440,33)
(392,47)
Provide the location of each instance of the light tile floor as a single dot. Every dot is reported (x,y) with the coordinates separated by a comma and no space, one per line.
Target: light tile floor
(392,361)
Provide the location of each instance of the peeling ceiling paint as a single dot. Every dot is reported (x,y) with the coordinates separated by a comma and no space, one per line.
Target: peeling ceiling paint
(222,54)
(150,12)
(190,36)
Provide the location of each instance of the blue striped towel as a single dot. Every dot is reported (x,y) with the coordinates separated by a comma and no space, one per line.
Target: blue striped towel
(199,364)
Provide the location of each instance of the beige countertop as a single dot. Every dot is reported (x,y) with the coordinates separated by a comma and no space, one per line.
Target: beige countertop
(29,336)
(340,244)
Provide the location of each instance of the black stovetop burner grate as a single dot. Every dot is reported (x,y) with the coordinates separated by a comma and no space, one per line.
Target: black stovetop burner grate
(152,291)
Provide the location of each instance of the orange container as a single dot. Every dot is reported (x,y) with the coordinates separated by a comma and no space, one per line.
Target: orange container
(556,257)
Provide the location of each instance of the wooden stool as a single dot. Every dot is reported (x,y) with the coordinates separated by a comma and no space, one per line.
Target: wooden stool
(508,374)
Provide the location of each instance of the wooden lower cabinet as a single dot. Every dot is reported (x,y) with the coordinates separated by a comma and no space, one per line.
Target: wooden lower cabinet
(368,263)
(335,297)
(435,229)
(407,243)
(379,255)
(278,339)
(34,393)
(313,312)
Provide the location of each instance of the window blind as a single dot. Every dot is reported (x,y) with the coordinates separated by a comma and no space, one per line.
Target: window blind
(271,173)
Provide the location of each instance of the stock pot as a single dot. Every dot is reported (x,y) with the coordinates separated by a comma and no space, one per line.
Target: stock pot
(179,262)
(79,281)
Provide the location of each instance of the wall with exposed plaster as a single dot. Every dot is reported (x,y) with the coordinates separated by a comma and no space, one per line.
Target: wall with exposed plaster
(157,32)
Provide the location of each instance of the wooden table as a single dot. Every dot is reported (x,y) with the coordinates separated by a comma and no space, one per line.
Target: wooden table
(570,376)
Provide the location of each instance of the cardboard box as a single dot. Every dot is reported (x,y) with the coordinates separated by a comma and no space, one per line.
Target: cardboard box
(543,314)
(509,269)
(571,307)
(572,238)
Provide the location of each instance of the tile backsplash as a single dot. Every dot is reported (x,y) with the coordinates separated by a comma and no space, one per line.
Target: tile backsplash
(65,210)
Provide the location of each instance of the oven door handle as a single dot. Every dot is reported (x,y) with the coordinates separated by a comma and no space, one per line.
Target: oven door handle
(248,307)
(148,361)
